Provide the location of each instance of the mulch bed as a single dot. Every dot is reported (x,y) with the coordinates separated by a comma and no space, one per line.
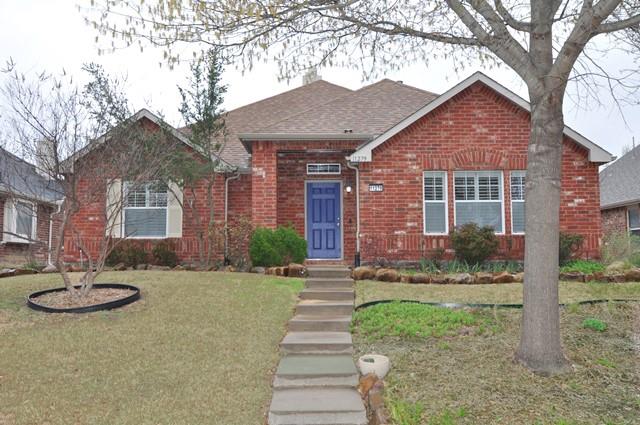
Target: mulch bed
(64,299)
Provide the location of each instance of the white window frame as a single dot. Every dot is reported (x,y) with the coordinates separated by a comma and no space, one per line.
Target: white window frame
(13,225)
(445,201)
(320,164)
(126,186)
(518,173)
(632,229)
(476,192)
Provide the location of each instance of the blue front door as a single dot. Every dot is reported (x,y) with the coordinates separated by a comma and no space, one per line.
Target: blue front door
(323,220)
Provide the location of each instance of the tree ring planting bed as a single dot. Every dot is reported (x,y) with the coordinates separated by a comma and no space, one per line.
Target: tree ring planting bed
(103,296)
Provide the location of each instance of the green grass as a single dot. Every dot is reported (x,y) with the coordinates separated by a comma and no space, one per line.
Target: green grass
(411,320)
(570,292)
(199,348)
(474,373)
(582,266)
(594,324)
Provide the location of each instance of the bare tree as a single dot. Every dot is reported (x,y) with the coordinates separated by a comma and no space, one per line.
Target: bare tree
(82,140)
(543,41)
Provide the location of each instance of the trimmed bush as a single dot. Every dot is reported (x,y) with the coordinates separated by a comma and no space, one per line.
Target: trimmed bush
(474,244)
(164,254)
(270,248)
(128,252)
(569,243)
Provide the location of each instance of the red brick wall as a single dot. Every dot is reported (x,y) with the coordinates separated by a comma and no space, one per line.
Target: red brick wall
(17,254)
(615,220)
(477,130)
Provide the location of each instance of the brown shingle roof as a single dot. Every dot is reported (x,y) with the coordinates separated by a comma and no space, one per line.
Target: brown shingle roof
(249,118)
(369,110)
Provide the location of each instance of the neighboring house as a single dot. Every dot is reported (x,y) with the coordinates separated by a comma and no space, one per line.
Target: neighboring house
(620,194)
(27,204)
(385,171)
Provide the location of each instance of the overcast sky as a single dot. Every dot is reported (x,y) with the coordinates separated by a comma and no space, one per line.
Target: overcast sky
(51,35)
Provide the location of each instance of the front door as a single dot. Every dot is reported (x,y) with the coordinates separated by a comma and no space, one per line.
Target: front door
(324,236)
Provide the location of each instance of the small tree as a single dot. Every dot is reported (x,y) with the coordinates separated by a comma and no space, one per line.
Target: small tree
(82,140)
(201,109)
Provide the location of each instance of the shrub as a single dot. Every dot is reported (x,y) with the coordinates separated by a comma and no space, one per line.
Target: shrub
(279,247)
(164,254)
(582,266)
(128,252)
(569,243)
(621,246)
(594,324)
(474,244)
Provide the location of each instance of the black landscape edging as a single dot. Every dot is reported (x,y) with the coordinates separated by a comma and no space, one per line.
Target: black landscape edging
(90,308)
(462,305)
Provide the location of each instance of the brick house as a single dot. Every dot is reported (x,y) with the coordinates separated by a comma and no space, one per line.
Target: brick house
(385,171)
(620,194)
(27,208)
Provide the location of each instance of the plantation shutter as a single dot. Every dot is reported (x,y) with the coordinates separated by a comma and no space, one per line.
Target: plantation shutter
(174,211)
(114,208)
(7,223)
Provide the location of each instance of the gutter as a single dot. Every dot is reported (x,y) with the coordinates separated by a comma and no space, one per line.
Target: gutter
(357,170)
(226,211)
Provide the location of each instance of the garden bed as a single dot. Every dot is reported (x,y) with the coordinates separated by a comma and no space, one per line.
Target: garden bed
(105,296)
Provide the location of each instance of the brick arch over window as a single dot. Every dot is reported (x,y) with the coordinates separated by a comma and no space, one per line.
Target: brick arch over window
(474,158)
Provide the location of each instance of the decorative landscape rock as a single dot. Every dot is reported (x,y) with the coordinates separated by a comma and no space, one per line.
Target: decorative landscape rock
(419,278)
(278,271)
(120,267)
(504,277)
(461,279)
(572,276)
(297,270)
(49,268)
(439,279)
(483,278)
(388,275)
(259,270)
(363,273)
(519,277)
(7,272)
(632,275)
(615,278)
(141,267)
(159,268)
(21,272)
(179,268)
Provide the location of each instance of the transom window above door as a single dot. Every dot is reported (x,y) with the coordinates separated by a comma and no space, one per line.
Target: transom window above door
(479,198)
(324,168)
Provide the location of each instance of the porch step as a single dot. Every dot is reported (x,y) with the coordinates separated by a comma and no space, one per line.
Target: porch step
(323,282)
(328,272)
(300,371)
(324,308)
(322,323)
(317,406)
(317,343)
(328,294)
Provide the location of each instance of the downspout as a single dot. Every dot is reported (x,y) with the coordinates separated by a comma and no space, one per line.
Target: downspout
(57,211)
(226,213)
(357,170)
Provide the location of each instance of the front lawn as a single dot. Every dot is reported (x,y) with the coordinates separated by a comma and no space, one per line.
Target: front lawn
(457,367)
(510,293)
(199,348)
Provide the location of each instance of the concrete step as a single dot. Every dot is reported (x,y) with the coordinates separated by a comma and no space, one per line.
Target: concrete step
(323,282)
(322,323)
(317,406)
(329,308)
(317,343)
(328,294)
(328,272)
(296,371)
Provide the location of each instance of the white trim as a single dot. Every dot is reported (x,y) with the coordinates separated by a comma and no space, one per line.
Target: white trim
(306,230)
(321,164)
(524,174)
(629,208)
(445,201)
(364,152)
(12,228)
(477,192)
(125,186)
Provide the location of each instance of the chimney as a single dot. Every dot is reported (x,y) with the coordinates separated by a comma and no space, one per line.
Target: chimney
(310,76)
(45,158)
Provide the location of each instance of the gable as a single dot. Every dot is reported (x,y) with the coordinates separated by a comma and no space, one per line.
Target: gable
(365,152)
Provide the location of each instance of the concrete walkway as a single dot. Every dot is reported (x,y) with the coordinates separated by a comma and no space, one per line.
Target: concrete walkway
(316,381)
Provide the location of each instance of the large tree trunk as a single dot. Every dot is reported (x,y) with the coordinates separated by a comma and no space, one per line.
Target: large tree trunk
(540,345)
